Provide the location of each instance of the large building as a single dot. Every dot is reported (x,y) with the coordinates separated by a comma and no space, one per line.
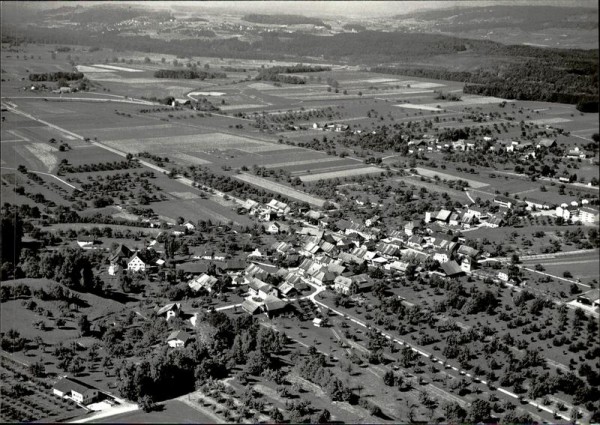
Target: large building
(588,215)
(78,391)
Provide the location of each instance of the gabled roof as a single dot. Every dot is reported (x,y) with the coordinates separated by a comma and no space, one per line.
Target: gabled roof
(179,335)
(67,384)
(451,268)
(202,281)
(468,251)
(399,265)
(272,303)
(443,215)
(196,267)
(121,252)
(286,287)
(251,306)
(168,307)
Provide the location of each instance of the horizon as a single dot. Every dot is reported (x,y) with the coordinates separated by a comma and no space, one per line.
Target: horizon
(349,9)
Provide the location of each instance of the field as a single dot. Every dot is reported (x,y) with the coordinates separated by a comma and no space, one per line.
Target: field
(279,188)
(341,174)
(173,411)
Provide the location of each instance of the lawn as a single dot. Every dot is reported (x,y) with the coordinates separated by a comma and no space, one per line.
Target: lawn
(173,411)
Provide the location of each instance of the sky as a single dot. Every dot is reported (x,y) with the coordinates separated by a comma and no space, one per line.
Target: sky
(356,9)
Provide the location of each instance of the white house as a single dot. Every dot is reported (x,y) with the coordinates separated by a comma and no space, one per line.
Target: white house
(272,228)
(136,263)
(503,276)
(588,215)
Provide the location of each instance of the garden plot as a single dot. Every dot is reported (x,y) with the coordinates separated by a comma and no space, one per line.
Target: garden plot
(185,195)
(472,100)
(303,162)
(190,159)
(545,121)
(444,176)
(118,68)
(245,106)
(280,188)
(43,153)
(341,174)
(421,107)
(91,69)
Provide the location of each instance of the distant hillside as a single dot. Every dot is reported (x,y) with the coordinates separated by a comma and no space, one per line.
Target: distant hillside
(283,20)
(523,17)
(354,27)
(105,14)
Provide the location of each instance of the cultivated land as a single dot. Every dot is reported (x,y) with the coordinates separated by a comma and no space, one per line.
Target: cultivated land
(117,164)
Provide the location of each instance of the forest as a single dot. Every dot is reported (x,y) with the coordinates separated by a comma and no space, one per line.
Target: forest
(274,73)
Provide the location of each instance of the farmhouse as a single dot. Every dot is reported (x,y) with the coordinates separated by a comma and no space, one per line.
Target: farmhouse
(203,281)
(251,306)
(504,201)
(86,241)
(272,228)
(78,391)
(138,263)
(170,310)
(273,305)
(452,269)
(178,339)
(118,259)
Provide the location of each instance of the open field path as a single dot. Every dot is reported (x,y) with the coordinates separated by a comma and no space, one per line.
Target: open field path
(428,355)
(46,174)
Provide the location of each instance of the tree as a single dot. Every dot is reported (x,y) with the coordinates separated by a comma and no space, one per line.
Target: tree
(479,410)
(84,325)
(146,403)
(322,417)
(37,369)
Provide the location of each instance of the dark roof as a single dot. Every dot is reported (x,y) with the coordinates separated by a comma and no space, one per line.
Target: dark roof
(197,267)
(121,252)
(181,335)
(69,384)
(451,268)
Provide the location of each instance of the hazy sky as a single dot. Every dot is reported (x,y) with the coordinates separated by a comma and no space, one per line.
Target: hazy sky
(357,9)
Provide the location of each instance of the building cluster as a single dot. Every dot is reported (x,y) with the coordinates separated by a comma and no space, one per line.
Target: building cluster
(578,212)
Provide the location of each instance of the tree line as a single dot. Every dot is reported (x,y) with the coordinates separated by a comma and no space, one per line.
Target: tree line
(56,76)
(188,74)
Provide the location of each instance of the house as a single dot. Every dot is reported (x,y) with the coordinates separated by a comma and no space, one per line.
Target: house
(178,339)
(272,228)
(193,268)
(251,306)
(466,264)
(179,230)
(576,153)
(400,266)
(273,305)
(452,269)
(85,241)
(415,241)
(170,310)
(80,392)
(313,216)
(372,221)
(503,276)
(362,282)
(343,285)
(118,259)
(258,288)
(317,322)
(504,201)
(287,290)
(412,227)
(495,220)
(278,207)
(590,298)
(203,281)
(476,211)
(546,143)
(138,263)
(441,256)
(588,215)
(465,251)
(189,226)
